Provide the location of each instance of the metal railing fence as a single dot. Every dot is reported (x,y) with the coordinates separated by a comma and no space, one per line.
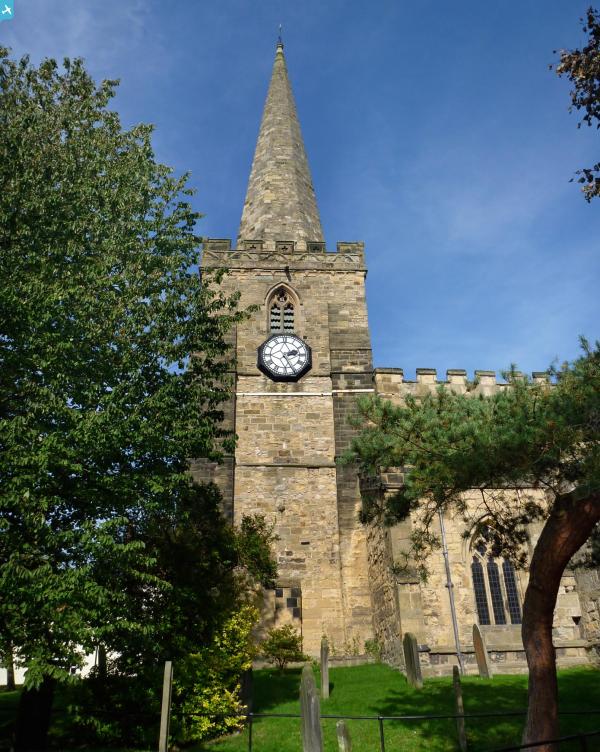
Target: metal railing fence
(580,737)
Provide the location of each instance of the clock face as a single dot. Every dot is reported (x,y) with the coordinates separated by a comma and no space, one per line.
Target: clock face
(284,357)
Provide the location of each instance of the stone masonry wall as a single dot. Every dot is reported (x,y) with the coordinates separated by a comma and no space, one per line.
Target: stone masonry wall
(424,607)
(351,374)
(587,584)
(387,625)
(291,434)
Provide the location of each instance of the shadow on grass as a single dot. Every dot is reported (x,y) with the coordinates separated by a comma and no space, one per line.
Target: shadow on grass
(579,689)
(273,688)
(499,695)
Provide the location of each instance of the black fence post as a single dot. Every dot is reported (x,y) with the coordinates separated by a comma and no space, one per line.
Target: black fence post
(381,735)
(583,743)
(250,732)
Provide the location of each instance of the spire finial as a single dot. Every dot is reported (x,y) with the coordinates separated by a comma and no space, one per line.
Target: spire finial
(279,38)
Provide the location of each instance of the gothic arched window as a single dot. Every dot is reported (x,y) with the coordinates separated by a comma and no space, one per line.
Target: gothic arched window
(281,311)
(495,585)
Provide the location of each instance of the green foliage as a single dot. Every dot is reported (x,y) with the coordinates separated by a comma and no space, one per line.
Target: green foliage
(124,709)
(255,551)
(283,645)
(113,710)
(206,687)
(527,435)
(582,68)
(104,539)
(373,649)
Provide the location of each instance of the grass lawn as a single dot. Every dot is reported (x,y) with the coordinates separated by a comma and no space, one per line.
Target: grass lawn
(379,690)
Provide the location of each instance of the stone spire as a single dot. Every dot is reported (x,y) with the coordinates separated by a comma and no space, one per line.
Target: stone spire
(280,200)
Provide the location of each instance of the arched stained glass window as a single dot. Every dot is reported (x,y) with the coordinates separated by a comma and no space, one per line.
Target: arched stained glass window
(512,593)
(481,602)
(496,592)
(281,311)
(495,588)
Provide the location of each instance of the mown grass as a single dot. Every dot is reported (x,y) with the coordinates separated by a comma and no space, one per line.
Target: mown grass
(379,690)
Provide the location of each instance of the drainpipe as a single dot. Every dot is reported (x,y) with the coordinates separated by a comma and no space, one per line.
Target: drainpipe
(450,587)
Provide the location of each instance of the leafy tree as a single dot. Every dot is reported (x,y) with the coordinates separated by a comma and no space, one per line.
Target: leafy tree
(530,452)
(582,68)
(283,645)
(104,538)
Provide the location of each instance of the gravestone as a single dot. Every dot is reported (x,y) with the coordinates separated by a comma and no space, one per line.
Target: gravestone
(343,737)
(310,709)
(483,659)
(412,661)
(460,710)
(165,709)
(247,689)
(324,668)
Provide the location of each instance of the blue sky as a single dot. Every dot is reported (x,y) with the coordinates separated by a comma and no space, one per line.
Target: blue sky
(435,133)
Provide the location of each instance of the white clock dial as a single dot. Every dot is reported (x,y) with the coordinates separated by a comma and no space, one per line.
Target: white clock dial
(284,357)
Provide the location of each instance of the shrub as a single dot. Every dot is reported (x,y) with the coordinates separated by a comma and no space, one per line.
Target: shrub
(282,646)
(206,685)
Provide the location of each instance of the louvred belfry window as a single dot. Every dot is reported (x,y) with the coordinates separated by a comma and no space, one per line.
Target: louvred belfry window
(281,312)
(288,318)
(275,319)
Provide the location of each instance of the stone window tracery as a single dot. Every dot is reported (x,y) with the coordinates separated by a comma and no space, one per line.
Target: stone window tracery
(281,311)
(495,585)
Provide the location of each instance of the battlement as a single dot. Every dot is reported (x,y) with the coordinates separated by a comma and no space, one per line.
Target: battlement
(390,382)
(262,254)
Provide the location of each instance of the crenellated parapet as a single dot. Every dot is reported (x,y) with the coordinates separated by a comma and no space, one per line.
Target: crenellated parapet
(256,254)
(391,384)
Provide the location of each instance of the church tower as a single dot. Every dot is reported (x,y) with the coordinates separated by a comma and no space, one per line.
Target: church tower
(302,359)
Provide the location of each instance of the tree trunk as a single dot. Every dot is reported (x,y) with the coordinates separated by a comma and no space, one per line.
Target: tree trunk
(102,663)
(10,670)
(33,718)
(566,530)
